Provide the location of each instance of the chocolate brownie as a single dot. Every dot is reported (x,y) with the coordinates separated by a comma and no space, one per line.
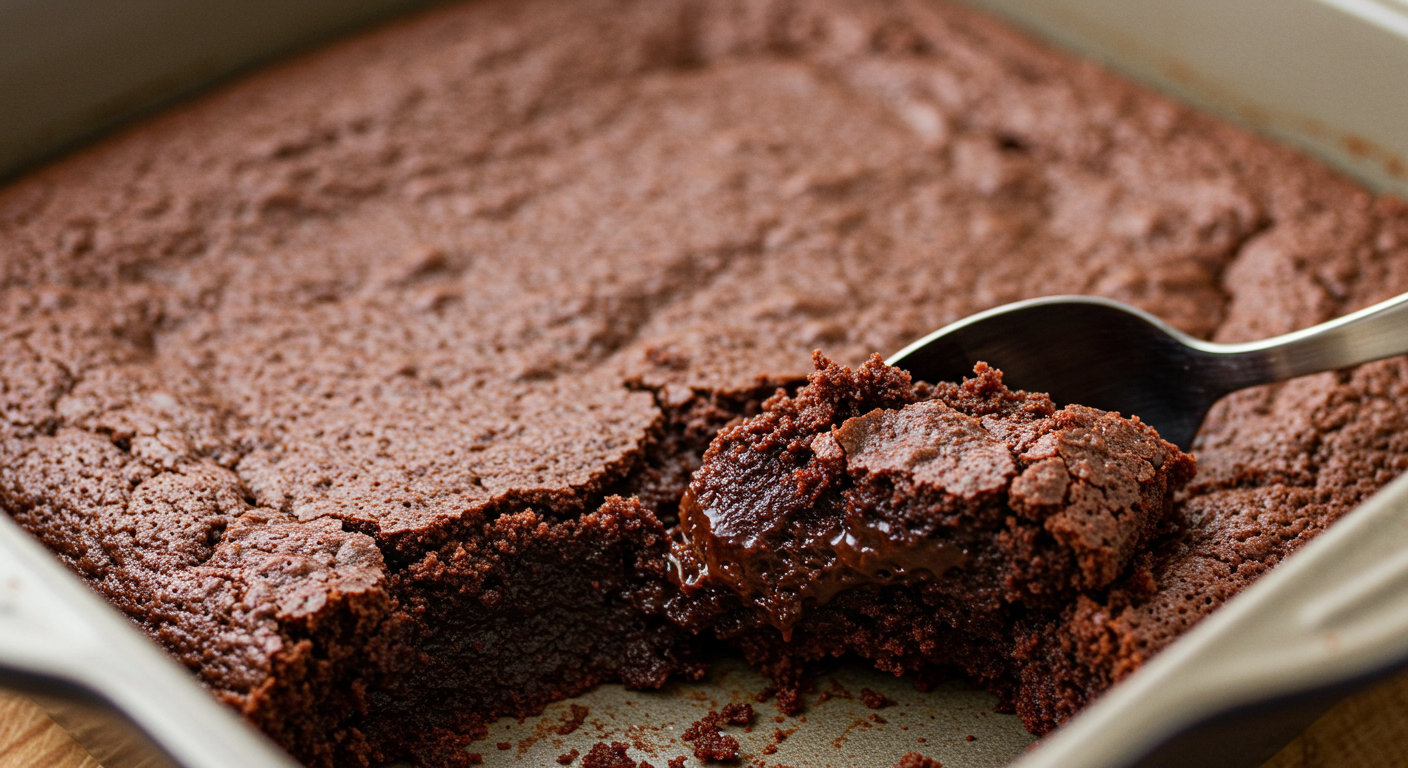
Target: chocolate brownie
(975,504)
(368,385)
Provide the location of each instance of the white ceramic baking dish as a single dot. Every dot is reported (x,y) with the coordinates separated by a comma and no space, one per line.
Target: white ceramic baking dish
(1329,75)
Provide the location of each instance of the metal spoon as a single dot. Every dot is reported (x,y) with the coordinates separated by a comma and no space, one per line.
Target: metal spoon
(1111,356)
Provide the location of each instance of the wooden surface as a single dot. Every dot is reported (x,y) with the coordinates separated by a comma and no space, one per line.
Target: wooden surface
(29,739)
(1369,730)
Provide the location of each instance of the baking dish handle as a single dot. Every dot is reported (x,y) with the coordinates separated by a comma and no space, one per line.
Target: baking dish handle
(119,695)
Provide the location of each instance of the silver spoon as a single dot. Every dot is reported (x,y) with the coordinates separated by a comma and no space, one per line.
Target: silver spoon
(1111,356)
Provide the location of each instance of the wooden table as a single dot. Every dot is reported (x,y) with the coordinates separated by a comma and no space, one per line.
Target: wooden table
(29,739)
(1369,730)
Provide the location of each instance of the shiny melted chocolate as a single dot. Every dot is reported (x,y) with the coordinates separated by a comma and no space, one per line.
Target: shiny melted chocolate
(864,478)
(787,530)
(831,559)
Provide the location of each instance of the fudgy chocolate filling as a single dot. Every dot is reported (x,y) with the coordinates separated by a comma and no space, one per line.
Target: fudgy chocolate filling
(737,546)
(864,478)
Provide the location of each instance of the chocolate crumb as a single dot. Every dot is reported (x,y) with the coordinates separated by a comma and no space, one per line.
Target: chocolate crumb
(874,699)
(709,741)
(971,737)
(878,720)
(916,760)
(765,694)
(574,719)
(505,745)
(613,755)
(789,701)
(737,714)
(770,749)
(677,762)
(567,757)
(473,758)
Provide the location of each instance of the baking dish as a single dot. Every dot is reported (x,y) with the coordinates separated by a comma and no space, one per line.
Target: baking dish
(1390,71)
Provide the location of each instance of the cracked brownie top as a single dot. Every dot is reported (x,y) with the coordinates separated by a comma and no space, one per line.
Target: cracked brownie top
(453,283)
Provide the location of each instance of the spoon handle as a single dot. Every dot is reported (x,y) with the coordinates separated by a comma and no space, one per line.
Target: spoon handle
(1372,333)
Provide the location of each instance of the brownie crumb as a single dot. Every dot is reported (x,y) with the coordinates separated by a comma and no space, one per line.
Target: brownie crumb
(567,758)
(574,719)
(737,714)
(970,737)
(789,702)
(770,749)
(916,760)
(709,740)
(765,694)
(878,720)
(677,762)
(473,758)
(613,755)
(505,745)
(874,699)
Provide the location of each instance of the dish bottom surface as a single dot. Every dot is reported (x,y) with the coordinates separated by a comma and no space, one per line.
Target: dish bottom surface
(836,730)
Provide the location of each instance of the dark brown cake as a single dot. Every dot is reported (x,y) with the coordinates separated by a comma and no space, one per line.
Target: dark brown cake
(368,385)
(972,505)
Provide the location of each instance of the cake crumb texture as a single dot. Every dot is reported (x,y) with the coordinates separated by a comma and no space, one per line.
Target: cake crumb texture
(706,734)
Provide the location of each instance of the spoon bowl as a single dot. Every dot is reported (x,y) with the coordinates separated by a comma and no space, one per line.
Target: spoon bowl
(1112,356)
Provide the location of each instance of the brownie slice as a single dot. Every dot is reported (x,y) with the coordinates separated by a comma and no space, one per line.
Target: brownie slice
(970,502)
